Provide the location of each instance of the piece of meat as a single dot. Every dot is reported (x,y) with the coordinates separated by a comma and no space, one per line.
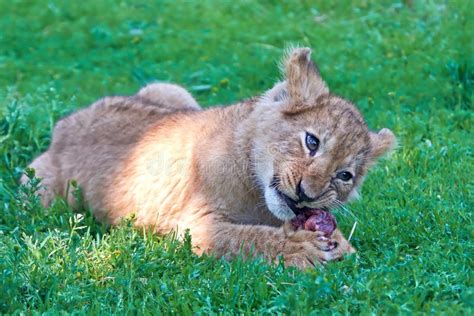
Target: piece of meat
(298,221)
(315,220)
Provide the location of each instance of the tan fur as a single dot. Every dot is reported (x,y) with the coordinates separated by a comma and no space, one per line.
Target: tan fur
(156,154)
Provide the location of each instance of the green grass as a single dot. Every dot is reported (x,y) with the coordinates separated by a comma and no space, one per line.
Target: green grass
(408,65)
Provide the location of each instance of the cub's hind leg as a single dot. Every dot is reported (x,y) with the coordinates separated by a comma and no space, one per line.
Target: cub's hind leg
(48,173)
(168,96)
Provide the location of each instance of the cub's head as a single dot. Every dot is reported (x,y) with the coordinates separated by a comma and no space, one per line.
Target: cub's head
(312,149)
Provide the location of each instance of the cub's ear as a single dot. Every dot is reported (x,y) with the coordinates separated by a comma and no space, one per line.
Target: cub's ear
(304,84)
(382,142)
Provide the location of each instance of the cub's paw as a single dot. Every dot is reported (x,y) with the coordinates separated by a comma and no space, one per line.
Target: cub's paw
(343,245)
(304,249)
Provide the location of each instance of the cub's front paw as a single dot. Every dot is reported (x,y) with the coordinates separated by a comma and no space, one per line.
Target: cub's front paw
(304,249)
(343,245)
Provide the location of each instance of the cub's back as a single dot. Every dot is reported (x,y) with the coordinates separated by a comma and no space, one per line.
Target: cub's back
(90,145)
(111,120)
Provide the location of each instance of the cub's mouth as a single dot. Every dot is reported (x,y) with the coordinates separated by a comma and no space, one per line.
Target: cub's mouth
(313,219)
(293,205)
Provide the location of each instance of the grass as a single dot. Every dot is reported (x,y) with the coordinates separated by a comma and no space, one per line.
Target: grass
(408,65)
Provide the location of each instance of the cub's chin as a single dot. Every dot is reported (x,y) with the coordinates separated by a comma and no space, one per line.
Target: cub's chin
(277,205)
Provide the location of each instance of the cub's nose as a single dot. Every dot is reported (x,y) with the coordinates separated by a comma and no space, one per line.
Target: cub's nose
(302,197)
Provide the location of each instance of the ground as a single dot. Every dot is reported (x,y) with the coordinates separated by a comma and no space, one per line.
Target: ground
(408,66)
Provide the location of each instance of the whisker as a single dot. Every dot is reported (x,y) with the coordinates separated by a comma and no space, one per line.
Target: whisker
(337,209)
(344,208)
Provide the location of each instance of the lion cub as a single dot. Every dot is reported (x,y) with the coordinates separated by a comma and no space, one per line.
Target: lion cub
(231,175)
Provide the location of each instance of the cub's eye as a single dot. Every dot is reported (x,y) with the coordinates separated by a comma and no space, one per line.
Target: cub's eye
(344,175)
(312,142)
